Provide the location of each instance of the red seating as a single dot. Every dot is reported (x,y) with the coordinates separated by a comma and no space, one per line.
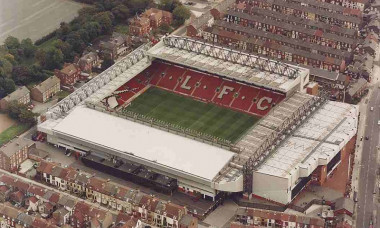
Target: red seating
(207,88)
(226,93)
(158,69)
(189,82)
(265,101)
(202,86)
(244,100)
(170,77)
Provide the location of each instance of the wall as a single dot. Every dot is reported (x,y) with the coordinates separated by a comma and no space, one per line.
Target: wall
(271,187)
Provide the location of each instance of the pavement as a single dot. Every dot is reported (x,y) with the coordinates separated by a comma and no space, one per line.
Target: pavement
(364,176)
(43,107)
(222,216)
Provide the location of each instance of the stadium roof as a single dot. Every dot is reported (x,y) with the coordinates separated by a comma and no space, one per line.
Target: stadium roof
(230,63)
(315,142)
(322,136)
(144,142)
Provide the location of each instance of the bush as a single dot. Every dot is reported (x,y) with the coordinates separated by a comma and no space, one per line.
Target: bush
(45,38)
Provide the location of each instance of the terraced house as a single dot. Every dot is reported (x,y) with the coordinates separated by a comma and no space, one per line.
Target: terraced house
(120,198)
(270,25)
(273,49)
(308,12)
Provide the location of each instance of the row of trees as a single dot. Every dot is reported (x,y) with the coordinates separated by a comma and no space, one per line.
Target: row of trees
(13,69)
(71,39)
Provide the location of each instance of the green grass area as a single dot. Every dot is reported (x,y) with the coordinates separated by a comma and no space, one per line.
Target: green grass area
(12,132)
(122,28)
(49,43)
(62,94)
(189,113)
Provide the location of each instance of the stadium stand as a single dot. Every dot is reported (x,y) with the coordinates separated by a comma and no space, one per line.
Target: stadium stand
(201,86)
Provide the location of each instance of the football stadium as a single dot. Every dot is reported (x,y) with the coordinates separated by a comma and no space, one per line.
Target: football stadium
(184,115)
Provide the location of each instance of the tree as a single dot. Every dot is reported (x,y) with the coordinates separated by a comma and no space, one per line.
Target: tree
(121,12)
(21,113)
(53,59)
(28,47)
(7,86)
(169,5)
(27,116)
(38,74)
(93,29)
(10,58)
(66,49)
(105,21)
(5,67)
(181,14)
(40,56)
(76,42)
(165,28)
(21,75)
(63,30)
(107,63)
(137,6)
(12,42)
(14,109)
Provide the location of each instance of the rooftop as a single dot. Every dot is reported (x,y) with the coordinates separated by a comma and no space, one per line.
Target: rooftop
(17,94)
(47,84)
(130,138)
(317,140)
(15,145)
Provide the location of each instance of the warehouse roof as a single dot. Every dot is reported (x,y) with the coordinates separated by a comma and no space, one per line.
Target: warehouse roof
(144,143)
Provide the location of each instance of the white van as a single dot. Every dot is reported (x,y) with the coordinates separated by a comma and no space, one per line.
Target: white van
(371,108)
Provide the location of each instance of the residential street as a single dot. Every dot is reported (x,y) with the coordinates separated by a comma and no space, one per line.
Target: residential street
(368,165)
(365,181)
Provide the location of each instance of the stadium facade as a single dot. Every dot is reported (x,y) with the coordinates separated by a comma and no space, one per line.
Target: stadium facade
(300,138)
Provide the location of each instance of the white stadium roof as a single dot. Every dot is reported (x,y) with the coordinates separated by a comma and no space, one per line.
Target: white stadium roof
(145,142)
(314,142)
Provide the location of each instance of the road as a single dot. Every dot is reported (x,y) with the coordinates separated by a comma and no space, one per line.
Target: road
(367,206)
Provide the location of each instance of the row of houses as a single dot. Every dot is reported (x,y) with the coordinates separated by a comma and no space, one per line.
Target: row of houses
(273,49)
(330,6)
(353,4)
(283,40)
(11,216)
(308,12)
(55,208)
(271,25)
(337,215)
(41,93)
(116,197)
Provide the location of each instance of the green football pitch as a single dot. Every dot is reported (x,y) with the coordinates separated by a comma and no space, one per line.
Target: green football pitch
(189,113)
